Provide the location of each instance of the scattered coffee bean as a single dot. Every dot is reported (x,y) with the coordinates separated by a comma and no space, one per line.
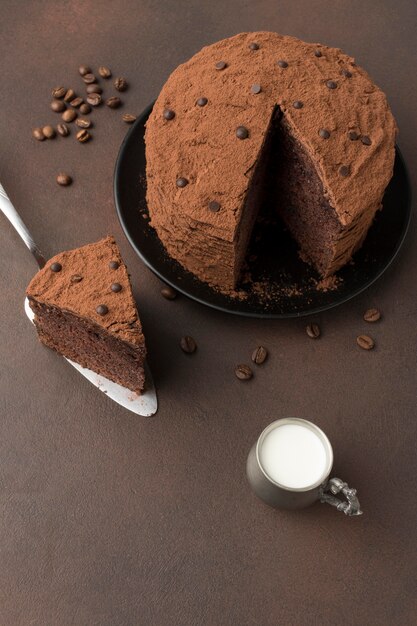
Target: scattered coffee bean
(64,180)
(83,136)
(69,95)
(254,46)
(353,136)
(84,69)
(93,89)
(48,131)
(182,182)
(344,171)
(38,134)
(89,78)
(102,309)
(114,265)
(256,88)
(114,102)
(313,331)
(365,342)
(324,134)
(120,84)
(259,355)
(76,278)
(298,104)
(116,287)
(202,102)
(63,130)
(104,71)
(282,64)
(58,106)
(188,345)
(169,114)
(56,267)
(318,53)
(169,293)
(85,108)
(346,73)
(83,123)
(366,140)
(214,206)
(94,99)
(331,84)
(243,372)
(128,118)
(242,132)
(372,315)
(58,92)
(76,102)
(69,115)
(221,65)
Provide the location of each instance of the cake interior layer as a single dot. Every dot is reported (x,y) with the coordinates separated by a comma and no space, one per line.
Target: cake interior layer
(91,346)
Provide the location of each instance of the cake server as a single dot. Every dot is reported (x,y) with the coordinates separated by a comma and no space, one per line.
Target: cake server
(145,404)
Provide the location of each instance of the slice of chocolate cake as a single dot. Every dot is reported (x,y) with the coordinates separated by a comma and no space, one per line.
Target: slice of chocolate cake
(84,309)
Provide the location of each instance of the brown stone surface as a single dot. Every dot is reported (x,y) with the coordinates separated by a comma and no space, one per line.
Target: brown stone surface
(108,518)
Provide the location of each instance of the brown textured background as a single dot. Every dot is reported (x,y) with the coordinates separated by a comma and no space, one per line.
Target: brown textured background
(108,518)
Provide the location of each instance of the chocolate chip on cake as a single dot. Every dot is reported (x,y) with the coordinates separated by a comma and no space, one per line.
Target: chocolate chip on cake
(282,63)
(214,206)
(344,170)
(256,88)
(346,73)
(254,46)
(169,114)
(221,65)
(366,140)
(181,182)
(202,102)
(116,287)
(324,134)
(242,132)
(298,104)
(114,265)
(102,309)
(331,84)
(56,267)
(318,53)
(353,136)
(76,278)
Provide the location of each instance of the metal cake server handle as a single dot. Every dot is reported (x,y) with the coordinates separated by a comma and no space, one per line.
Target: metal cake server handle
(147,403)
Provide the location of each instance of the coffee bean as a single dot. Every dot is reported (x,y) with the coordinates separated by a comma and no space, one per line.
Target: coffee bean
(317,53)
(169,114)
(331,84)
(69,95)
(76,278)
(182,182)
(243,372)
(313,331)
(298,104)
(128,118)
(346,73)
(63,130)
(94,99)
(89,78)
(56,267)
(114,265)
(365,342)
(242,132)
(372,315)
(120,84)
(58,92)
(83,123)
(83,136)
(69,115)
(254,46)
(366,140)
(93,89)
(344,171)
(188,345)
(282,64)
(85,108)
(114,102)
(104,71)
(214,206)
(84,69)
(256,88)
(76,102)
(202,102)
(116,287)
(102,309)
(48,131)
(63,179)
(324,134)
(221,65)
(58,106)
(169,293)
(259,355)
(38,134)
(352,135)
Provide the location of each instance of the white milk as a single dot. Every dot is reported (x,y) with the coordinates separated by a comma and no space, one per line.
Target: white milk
(293,456)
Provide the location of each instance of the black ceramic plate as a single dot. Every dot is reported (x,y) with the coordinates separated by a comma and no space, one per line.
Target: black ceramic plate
(284,285)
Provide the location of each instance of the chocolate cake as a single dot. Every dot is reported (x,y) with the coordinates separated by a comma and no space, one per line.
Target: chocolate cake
(84,309)
(257,112)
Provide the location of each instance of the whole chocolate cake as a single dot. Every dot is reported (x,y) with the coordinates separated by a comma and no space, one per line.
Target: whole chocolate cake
(257,112)
(84,309)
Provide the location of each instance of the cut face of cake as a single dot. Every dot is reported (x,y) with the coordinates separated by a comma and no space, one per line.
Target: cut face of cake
(84,309)
(263,112)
